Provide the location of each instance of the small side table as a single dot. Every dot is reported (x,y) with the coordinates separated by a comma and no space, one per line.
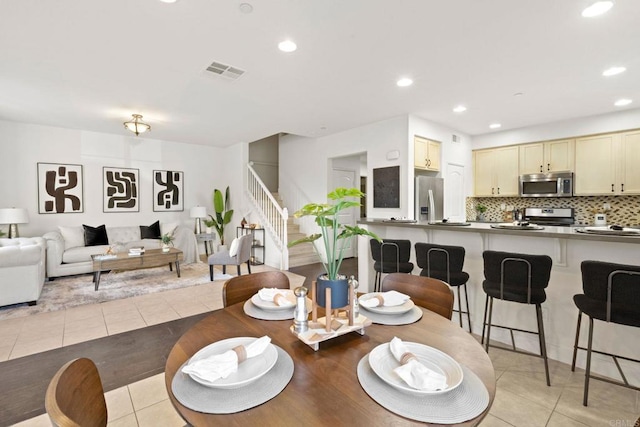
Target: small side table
(207,239)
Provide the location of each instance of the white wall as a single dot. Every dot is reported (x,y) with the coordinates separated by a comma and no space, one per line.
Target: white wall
(24,145)
(628,119)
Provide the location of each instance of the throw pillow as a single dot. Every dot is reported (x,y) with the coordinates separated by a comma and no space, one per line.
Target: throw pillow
(94,236)
(73,236)
(168,227)
(233,249)
(150,232)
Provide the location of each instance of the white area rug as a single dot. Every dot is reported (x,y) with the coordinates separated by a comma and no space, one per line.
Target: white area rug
(72,291)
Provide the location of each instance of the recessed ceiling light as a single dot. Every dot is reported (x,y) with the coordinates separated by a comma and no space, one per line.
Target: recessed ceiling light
(404,82)
(613,71)
(287,46)
(245,8)
(622,102)
(168,1)
(495,125)
(597,8)
(460,109)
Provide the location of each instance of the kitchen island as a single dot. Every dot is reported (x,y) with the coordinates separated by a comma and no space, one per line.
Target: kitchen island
(565,245)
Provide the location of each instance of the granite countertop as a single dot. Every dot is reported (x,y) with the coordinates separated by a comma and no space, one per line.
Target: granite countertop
(485,227)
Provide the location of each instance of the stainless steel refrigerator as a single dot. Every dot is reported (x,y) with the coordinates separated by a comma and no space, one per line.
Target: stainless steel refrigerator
(429,199)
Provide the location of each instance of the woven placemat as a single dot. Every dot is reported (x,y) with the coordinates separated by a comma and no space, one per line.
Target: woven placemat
(228,401)
(257,313)
(463,403)
(410,316)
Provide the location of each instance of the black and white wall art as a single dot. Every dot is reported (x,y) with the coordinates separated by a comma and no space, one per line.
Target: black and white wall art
(60,188)
(168,191)
(121,189)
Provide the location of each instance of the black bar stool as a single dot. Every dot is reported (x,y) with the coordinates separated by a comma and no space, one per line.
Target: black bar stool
(611,294)
(517,278)
(390,256)
(445,263)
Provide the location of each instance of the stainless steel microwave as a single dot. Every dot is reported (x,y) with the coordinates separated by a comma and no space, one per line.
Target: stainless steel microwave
(559,184)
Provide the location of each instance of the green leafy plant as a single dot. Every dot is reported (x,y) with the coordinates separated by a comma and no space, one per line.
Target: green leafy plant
(223,216)
(333,233)
(167,239)
(481,209)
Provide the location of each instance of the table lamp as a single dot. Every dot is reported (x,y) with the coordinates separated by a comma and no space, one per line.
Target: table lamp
(198,212)
(13,217)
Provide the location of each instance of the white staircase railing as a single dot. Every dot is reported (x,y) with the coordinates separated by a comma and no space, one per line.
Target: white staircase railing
(274,217)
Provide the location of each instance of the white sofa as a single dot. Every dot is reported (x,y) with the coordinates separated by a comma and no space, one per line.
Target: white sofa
(22,270)
(67,255)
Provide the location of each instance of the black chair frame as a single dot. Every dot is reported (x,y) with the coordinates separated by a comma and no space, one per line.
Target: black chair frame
(589,349)
(540,333)
(378,278)
(466,296)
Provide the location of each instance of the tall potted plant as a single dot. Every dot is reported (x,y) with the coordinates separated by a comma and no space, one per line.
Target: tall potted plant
(223,216)
(334,237)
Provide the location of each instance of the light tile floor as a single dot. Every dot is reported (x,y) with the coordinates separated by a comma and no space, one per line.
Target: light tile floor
(522,397)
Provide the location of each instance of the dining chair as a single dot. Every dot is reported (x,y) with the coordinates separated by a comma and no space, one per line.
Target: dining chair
(611,293)
(519,278)
(390,256)
(241,288)
(75,396)
(427,292)
(239,252)
(445,262)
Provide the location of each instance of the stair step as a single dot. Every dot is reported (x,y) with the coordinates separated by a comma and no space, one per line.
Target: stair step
(298,260)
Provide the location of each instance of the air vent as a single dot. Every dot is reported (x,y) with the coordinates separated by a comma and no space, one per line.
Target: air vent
(224,70)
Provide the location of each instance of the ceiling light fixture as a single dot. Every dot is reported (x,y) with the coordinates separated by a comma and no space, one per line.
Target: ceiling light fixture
(622,102)
(136,125)
(460,109)
(168,1)
(245,8)
(287,46)
(495,125)
(597,8)
(404,82)
(613,71)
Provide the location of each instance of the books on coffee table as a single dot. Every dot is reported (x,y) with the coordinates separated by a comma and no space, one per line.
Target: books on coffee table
(136,251)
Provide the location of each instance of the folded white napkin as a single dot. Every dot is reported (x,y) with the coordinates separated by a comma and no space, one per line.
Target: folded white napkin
(275,295)
(222,365)
(386,299)
(413,372)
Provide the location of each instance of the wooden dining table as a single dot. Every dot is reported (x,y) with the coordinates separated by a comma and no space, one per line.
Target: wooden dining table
(324,389)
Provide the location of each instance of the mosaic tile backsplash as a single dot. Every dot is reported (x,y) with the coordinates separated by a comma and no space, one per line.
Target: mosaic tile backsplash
(624,210)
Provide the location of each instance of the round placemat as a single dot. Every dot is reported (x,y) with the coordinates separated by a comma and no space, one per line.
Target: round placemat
(410,316)
(228,401)
(257,313)
(463,403)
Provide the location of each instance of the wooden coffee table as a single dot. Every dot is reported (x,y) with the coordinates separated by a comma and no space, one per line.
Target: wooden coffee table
(124,261)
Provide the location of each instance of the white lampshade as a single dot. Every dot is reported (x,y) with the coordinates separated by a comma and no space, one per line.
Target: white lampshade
(198,212)
(14,216)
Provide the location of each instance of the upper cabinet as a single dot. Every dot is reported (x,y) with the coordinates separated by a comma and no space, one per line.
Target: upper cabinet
(546,157)
(496,172)
(426,154)
(607,164)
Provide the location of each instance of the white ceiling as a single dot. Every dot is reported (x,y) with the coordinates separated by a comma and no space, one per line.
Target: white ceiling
(90,64)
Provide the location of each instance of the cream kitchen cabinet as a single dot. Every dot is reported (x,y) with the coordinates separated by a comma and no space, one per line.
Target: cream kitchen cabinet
(496,172)
(546,157)
(608,164)
(426,154)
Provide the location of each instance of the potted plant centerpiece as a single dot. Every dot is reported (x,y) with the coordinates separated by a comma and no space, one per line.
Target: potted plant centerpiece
(167,241)
(334,237)
(223,216)
(480,209)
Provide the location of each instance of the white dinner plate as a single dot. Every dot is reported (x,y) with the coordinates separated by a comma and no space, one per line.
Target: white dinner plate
(383,363)
(398,309)
(248,371)
(270,305)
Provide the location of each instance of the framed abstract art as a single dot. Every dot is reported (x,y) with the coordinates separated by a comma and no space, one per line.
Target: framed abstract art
(121,190)
(168,191)
(60,188)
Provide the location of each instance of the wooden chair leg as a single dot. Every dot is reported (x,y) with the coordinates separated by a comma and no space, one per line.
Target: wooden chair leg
(211,272)
(224,269)
(239,274)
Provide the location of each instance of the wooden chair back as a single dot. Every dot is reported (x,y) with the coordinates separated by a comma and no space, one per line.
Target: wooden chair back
(241,288)
(432,294)
(75,396)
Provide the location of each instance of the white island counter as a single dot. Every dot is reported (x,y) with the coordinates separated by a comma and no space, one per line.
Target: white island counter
(567,248)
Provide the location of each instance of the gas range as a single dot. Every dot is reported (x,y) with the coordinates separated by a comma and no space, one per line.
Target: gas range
(563,217)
